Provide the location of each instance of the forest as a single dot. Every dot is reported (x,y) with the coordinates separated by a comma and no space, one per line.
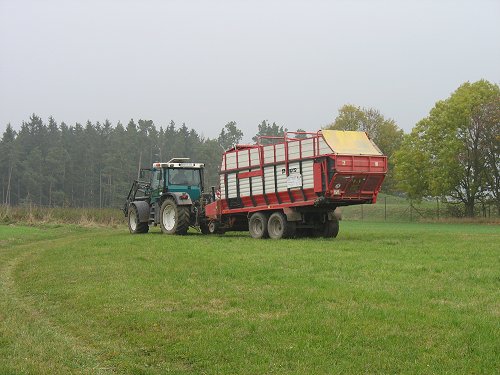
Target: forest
(93,165)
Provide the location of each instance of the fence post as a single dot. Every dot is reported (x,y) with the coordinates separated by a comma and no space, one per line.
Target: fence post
(437,201)
(385,208)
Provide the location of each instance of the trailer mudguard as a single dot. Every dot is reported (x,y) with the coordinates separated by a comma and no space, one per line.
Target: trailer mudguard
(181,199)
(142,210)
(292,214)
(335,215)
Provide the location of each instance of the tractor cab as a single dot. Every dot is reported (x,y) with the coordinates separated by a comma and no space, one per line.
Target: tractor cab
(178,175)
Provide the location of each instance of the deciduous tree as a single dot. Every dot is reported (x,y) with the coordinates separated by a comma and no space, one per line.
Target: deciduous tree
(453,152)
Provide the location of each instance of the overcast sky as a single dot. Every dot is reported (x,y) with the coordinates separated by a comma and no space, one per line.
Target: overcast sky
(209,62)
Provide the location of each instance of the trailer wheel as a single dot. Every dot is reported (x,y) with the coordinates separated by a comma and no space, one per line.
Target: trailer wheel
(215,228)
(331,228)
(204,228)
(174,219)
(134,225)
(278,227)
(212,228)
(257,225)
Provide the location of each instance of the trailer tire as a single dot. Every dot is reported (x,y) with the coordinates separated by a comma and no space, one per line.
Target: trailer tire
(257,225)
(331,229)
(204,228)
(215,228)
(174,219)
(278,227)
(134,225)
(211,228)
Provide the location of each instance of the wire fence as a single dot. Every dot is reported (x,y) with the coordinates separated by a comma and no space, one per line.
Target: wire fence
(391,208)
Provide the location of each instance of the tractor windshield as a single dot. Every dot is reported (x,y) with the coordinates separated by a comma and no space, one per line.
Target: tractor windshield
(189,177)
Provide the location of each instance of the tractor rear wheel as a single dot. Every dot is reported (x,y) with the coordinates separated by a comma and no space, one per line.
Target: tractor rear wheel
(174,219)
(278,227)
(257,225)
(134,225)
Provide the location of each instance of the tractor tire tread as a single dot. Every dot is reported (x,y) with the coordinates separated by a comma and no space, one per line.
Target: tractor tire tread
(182,217)
(183,220)
(140,227)
(143,228)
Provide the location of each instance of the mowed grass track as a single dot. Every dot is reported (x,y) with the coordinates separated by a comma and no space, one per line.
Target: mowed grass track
(381,298)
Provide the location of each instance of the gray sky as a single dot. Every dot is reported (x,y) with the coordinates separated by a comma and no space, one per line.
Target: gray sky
(209,62)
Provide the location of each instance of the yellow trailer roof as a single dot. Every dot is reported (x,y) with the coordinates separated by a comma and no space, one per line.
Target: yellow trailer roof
(350,142)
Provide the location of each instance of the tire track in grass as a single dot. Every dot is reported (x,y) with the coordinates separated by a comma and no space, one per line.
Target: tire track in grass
(29,327)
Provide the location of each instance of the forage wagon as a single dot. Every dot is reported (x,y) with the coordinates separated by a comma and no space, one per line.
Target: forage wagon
(280,187)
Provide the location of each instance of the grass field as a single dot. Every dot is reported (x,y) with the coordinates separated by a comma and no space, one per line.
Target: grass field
(381,298)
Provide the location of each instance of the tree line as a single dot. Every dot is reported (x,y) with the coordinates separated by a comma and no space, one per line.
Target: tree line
(93,165)
(453,153)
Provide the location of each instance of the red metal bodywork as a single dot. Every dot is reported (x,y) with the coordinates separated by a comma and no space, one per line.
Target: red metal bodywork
(352,179)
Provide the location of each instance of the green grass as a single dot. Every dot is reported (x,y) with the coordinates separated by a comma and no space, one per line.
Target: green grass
(381,298)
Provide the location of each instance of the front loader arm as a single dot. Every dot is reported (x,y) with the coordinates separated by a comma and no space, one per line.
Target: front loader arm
(136,186)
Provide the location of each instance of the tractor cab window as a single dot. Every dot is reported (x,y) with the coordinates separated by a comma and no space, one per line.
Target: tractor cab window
(188,177)
(157,179)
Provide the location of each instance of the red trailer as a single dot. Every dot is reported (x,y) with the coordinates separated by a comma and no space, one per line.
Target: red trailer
(292,185)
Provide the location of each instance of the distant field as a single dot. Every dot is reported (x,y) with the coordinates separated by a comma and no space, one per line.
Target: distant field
(381,298)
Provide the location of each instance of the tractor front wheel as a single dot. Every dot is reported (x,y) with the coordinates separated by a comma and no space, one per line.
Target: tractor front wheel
(134,225)
(174,219)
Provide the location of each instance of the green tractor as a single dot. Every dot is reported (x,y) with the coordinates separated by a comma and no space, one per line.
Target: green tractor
(171,197)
